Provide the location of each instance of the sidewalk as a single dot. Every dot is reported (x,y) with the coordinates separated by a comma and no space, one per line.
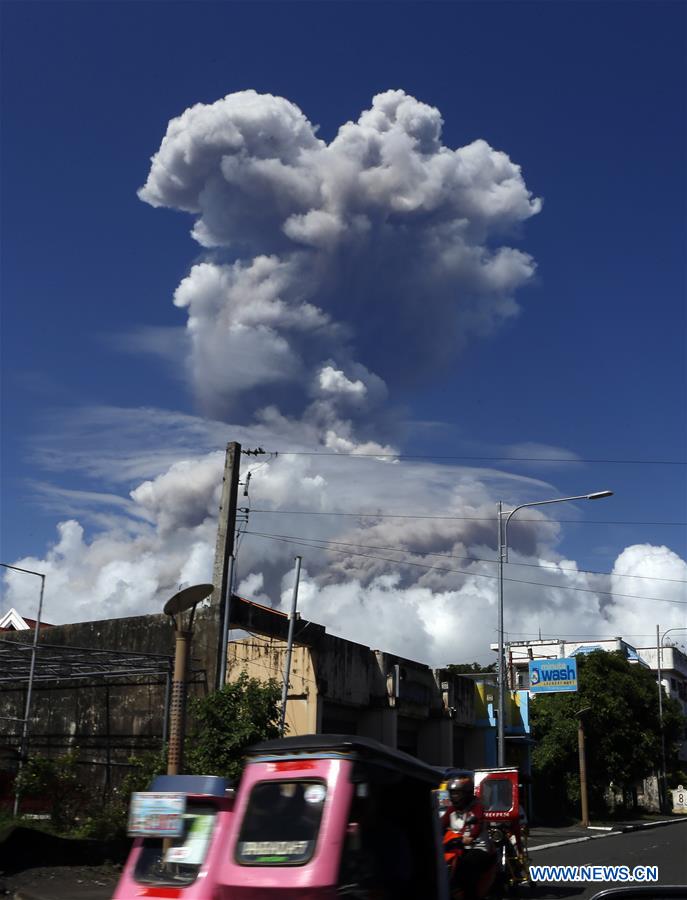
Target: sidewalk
(550,836)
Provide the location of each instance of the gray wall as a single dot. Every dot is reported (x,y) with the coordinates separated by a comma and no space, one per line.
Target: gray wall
(107,720)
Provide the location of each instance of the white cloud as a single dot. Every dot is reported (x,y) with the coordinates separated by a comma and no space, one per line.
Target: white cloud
(422,587)
(334,381)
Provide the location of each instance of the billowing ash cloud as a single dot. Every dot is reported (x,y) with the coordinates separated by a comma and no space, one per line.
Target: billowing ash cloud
(333,274)
(379,252)
(422,587)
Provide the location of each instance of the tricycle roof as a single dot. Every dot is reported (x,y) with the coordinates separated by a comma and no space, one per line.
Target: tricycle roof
(353,747)
(196,785)
(503,770)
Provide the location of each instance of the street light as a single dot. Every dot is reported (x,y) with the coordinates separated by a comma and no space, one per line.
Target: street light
(175,608)
(659,647)
(29,688)
(503,520)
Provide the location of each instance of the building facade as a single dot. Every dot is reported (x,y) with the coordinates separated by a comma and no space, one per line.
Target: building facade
(338,686)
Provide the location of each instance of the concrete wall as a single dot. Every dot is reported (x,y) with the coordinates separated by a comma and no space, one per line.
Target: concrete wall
(107,720)
(340,686)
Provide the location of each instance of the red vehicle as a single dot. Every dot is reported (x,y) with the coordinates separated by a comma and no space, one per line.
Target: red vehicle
(499,791)
(454,851)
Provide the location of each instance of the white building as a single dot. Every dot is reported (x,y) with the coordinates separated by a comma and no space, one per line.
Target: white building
(673,678)
(519,654)
(673,663)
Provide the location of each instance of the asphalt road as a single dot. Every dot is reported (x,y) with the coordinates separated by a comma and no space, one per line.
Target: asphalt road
(663,847)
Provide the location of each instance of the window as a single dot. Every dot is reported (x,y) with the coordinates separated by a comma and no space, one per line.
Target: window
(281,823)
(177,861)
(496,794)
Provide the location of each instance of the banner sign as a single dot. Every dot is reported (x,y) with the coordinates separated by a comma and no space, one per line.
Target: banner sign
(553,675)
(156,815)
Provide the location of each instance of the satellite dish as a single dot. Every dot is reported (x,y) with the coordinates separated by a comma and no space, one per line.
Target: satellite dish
(187,598)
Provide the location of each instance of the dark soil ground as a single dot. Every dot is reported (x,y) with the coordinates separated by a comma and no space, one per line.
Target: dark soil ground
(61,883)
(35,865)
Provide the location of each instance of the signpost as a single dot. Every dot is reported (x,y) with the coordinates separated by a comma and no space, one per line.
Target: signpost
(549,676)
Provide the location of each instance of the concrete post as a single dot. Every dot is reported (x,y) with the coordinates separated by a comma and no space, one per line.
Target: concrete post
(177,717)
(583,774)
(209,626)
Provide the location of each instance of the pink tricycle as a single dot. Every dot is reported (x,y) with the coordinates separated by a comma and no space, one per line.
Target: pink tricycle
(181,827)
(324,816)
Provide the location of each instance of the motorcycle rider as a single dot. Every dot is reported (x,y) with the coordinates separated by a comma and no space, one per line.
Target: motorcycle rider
(465,818)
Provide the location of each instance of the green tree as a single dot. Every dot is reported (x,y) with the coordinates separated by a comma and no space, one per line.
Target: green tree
(473,668)
(622,730)
(228,721)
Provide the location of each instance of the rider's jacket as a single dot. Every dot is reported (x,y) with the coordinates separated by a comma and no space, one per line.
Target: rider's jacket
(457,820)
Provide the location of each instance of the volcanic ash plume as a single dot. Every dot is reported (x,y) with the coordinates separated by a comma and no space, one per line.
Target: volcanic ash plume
(337,269)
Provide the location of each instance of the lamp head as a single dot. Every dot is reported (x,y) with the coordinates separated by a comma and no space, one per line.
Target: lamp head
(599,495)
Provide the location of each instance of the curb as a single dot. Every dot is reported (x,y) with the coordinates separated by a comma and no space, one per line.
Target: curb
(625,829)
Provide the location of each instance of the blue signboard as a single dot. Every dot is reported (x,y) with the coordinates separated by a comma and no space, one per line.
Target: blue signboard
(553,675)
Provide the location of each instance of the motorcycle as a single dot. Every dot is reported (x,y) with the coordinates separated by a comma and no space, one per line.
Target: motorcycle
(472,871)
(499,792)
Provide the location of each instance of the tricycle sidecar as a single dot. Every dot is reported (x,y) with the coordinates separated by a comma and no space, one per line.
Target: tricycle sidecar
(180,826)
(499,791)
(324,816)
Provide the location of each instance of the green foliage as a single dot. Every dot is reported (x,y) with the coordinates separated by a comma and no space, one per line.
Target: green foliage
(56,781)
(228,721)
(622,729)
(107,821)
(225,723)
(473,668)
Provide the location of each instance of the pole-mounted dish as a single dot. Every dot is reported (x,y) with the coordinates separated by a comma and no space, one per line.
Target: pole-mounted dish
(187,598)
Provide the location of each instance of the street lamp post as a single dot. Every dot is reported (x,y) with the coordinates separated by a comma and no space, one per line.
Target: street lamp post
(503,520)
(29,688)
(175,608)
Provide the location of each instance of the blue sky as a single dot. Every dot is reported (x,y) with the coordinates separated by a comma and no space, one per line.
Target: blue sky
(588,98)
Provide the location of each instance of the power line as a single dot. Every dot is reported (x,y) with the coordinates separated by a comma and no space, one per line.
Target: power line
(556,459)
(475,558)
(380,515)
(588,637)
(397,562)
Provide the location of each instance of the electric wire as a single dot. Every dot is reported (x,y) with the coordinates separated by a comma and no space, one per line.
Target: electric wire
(475,558)
(564,587)
(380,515)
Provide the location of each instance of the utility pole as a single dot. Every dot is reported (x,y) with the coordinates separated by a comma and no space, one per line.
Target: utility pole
(220,606)
(501,721)
(583,768)
(662,776)
(289,647)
